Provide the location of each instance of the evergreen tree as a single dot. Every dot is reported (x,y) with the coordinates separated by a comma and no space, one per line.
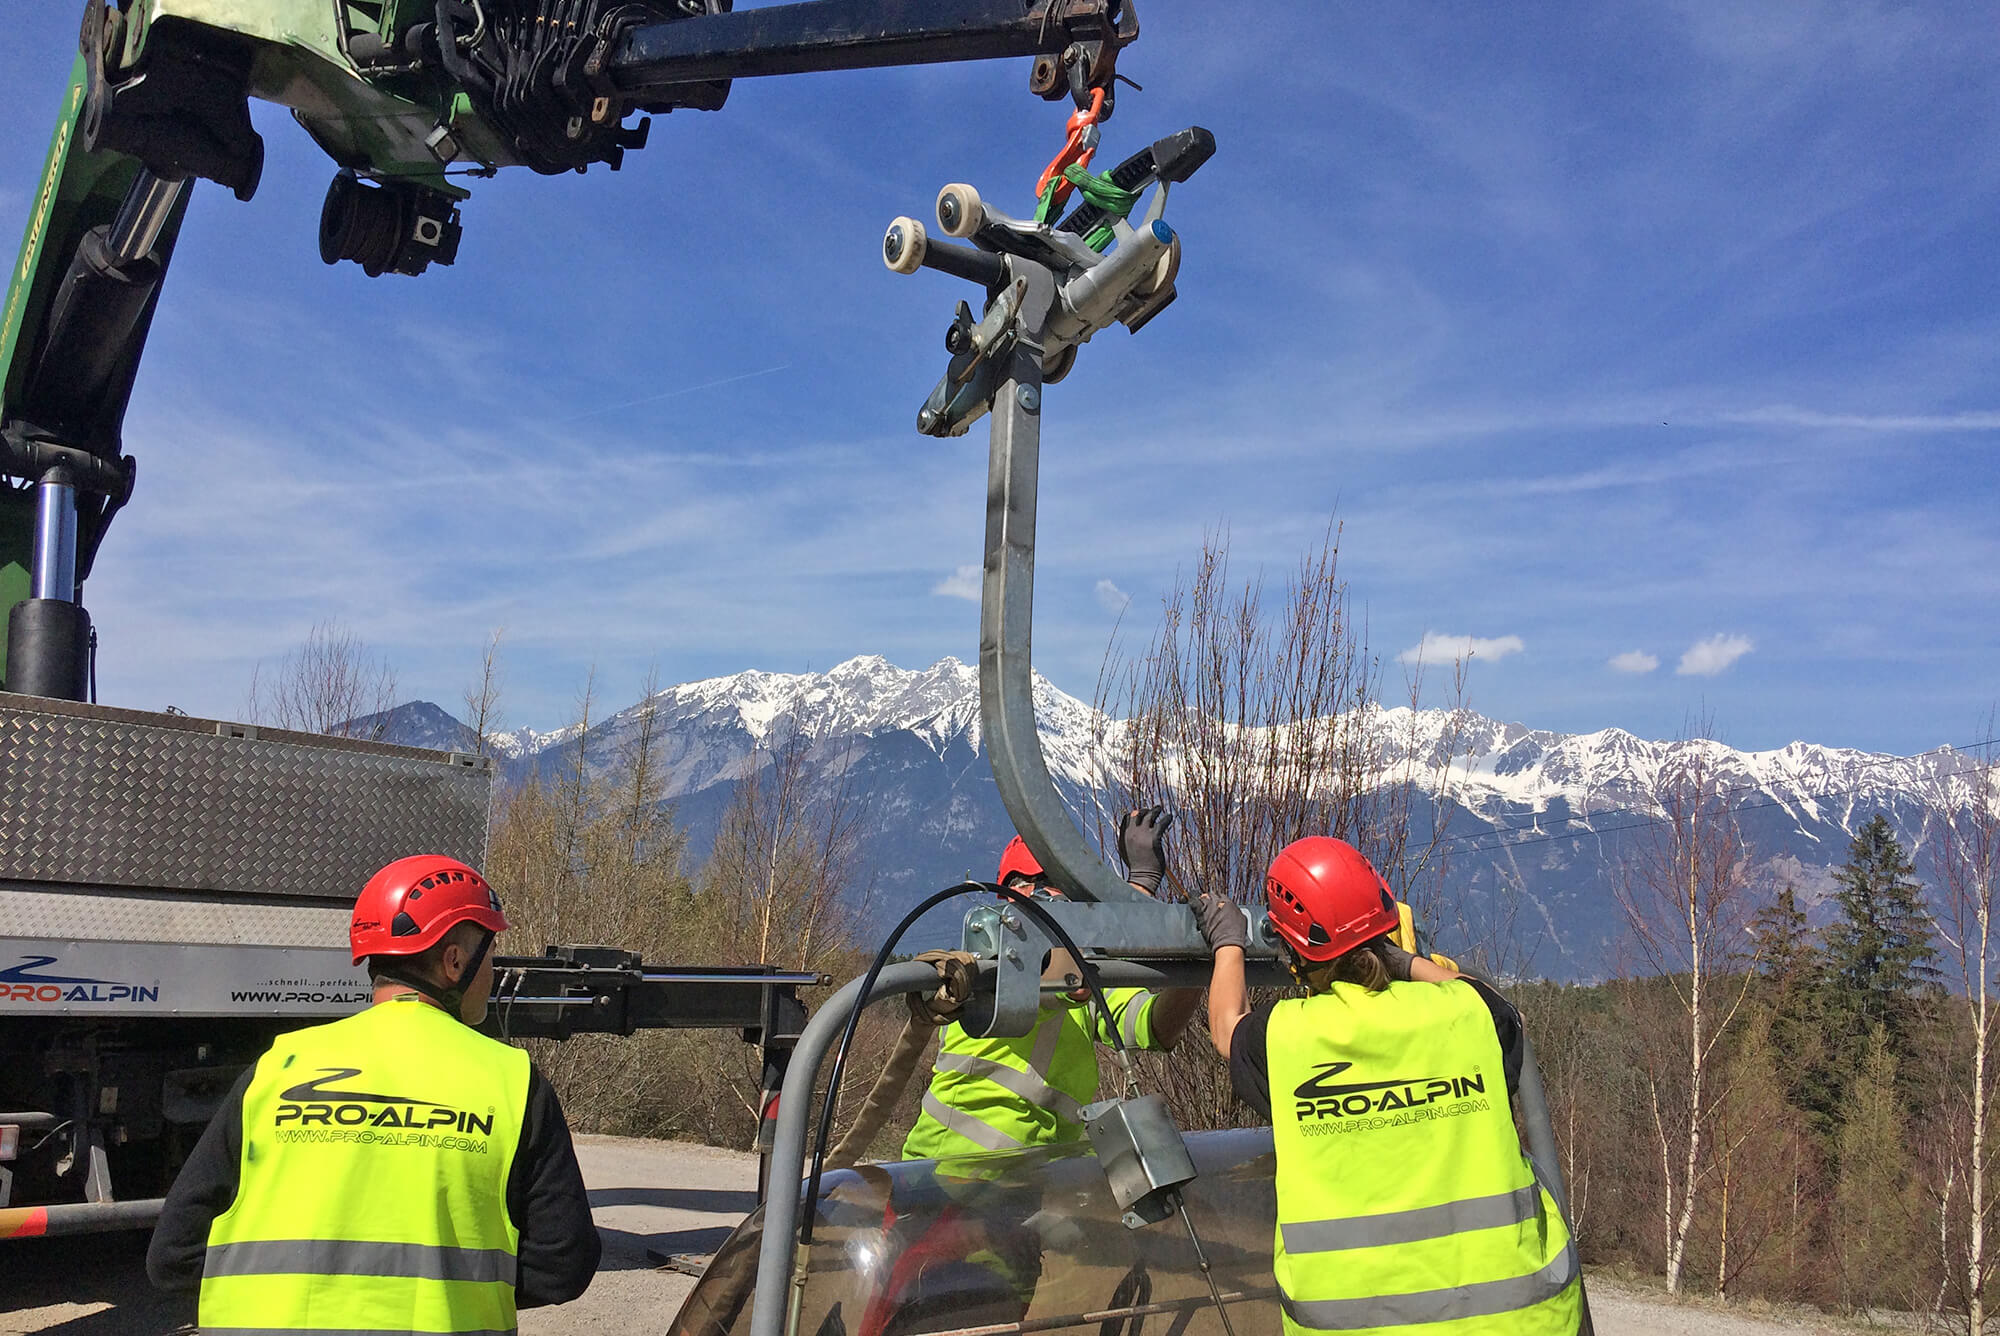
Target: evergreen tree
(1875,1208)
(1879,958)
(1761,1199)
(1790,966)
(1785,953)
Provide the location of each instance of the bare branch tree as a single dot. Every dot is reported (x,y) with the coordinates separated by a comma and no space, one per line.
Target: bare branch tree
(576,799)
(642,790)
(1688,903)
(482,698)
(1965,854)
(1260,723)
(782,880)
(783,884)
(1261,729)
(332,683)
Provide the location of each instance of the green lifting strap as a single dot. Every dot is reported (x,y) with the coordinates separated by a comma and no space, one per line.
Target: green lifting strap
(1096,189)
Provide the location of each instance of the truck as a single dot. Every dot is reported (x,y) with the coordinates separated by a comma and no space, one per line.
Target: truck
(174,893)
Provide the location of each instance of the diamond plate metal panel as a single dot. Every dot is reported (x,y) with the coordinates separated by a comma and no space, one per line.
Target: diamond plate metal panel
(188,919)
(102,797)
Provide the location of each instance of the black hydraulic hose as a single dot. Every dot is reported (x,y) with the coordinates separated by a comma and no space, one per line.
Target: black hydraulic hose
(824,1132)
(825,1128)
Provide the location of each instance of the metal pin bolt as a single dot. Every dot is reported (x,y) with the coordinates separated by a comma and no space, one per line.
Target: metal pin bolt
(1029,397)
(1013,956)
(1011,919)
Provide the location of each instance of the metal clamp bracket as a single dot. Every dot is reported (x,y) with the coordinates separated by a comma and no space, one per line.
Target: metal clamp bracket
(1137,930)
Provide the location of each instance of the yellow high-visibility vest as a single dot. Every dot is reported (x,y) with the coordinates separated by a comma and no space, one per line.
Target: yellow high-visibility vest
(1404,1200)
(373,1182)
(1004,1094)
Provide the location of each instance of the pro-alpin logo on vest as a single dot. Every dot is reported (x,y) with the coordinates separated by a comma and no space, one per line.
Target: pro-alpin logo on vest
(311,1104)
(1318,1099)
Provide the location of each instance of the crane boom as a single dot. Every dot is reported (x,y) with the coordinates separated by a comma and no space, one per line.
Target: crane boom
(398,93)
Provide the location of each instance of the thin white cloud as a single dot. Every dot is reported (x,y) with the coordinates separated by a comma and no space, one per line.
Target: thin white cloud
(675,394)
(1438,648)
(1634,661)
(1786,416)
(961,583)
(1706,658)
(1111,598)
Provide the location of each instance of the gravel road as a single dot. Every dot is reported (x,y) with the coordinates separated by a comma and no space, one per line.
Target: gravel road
(649,1196)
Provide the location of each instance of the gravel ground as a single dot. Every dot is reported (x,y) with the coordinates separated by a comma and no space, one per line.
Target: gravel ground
(662,1197)
(1617,1308)
(659,1195)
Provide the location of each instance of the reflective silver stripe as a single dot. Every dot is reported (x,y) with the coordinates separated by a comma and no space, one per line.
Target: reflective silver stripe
(967,1126)
(357,1257)
(1483,1299)
(1128,1022)
(1425,1222)
(1027,1085)
(1048,1035)
(350,1331)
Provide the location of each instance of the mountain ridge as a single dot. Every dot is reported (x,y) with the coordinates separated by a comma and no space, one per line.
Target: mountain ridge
(1546,816)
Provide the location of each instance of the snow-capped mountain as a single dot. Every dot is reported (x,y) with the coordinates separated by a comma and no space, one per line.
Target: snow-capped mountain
(419,723)
(705,733)
(1538,820)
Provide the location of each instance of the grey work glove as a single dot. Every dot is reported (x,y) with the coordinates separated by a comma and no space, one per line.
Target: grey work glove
(1223,922)
(1142,845)
(1396,958)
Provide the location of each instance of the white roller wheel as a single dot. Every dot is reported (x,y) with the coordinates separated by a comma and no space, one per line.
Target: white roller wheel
(903,246)
(1164,270)
(959,210)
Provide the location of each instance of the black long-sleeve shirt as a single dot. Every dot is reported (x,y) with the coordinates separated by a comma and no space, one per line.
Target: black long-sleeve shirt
(558,1250)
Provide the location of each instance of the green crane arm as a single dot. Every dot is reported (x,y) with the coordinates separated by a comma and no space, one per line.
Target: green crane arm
(403,95)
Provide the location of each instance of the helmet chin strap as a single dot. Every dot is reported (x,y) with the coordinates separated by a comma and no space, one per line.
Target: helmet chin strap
(1300,966)
(1292,963)
(451,997)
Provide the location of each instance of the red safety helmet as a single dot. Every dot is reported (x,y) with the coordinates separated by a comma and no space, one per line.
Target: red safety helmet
(408,907)
(1016,861)
(1326,899)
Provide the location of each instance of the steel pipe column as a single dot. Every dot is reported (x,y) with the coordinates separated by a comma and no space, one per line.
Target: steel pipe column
(1006,612)
(788,1146)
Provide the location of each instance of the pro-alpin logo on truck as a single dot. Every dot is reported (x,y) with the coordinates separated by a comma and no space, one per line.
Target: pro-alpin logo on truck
(24,983)
(311,1104)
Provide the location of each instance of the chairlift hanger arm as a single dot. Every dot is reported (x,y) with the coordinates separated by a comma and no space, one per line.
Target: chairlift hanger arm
(1049,290)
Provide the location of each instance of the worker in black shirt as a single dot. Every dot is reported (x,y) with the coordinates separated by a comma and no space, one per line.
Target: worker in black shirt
(1404,1198)
(393,1171)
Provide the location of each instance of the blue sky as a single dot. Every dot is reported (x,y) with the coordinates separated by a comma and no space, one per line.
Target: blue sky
(1665,333)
